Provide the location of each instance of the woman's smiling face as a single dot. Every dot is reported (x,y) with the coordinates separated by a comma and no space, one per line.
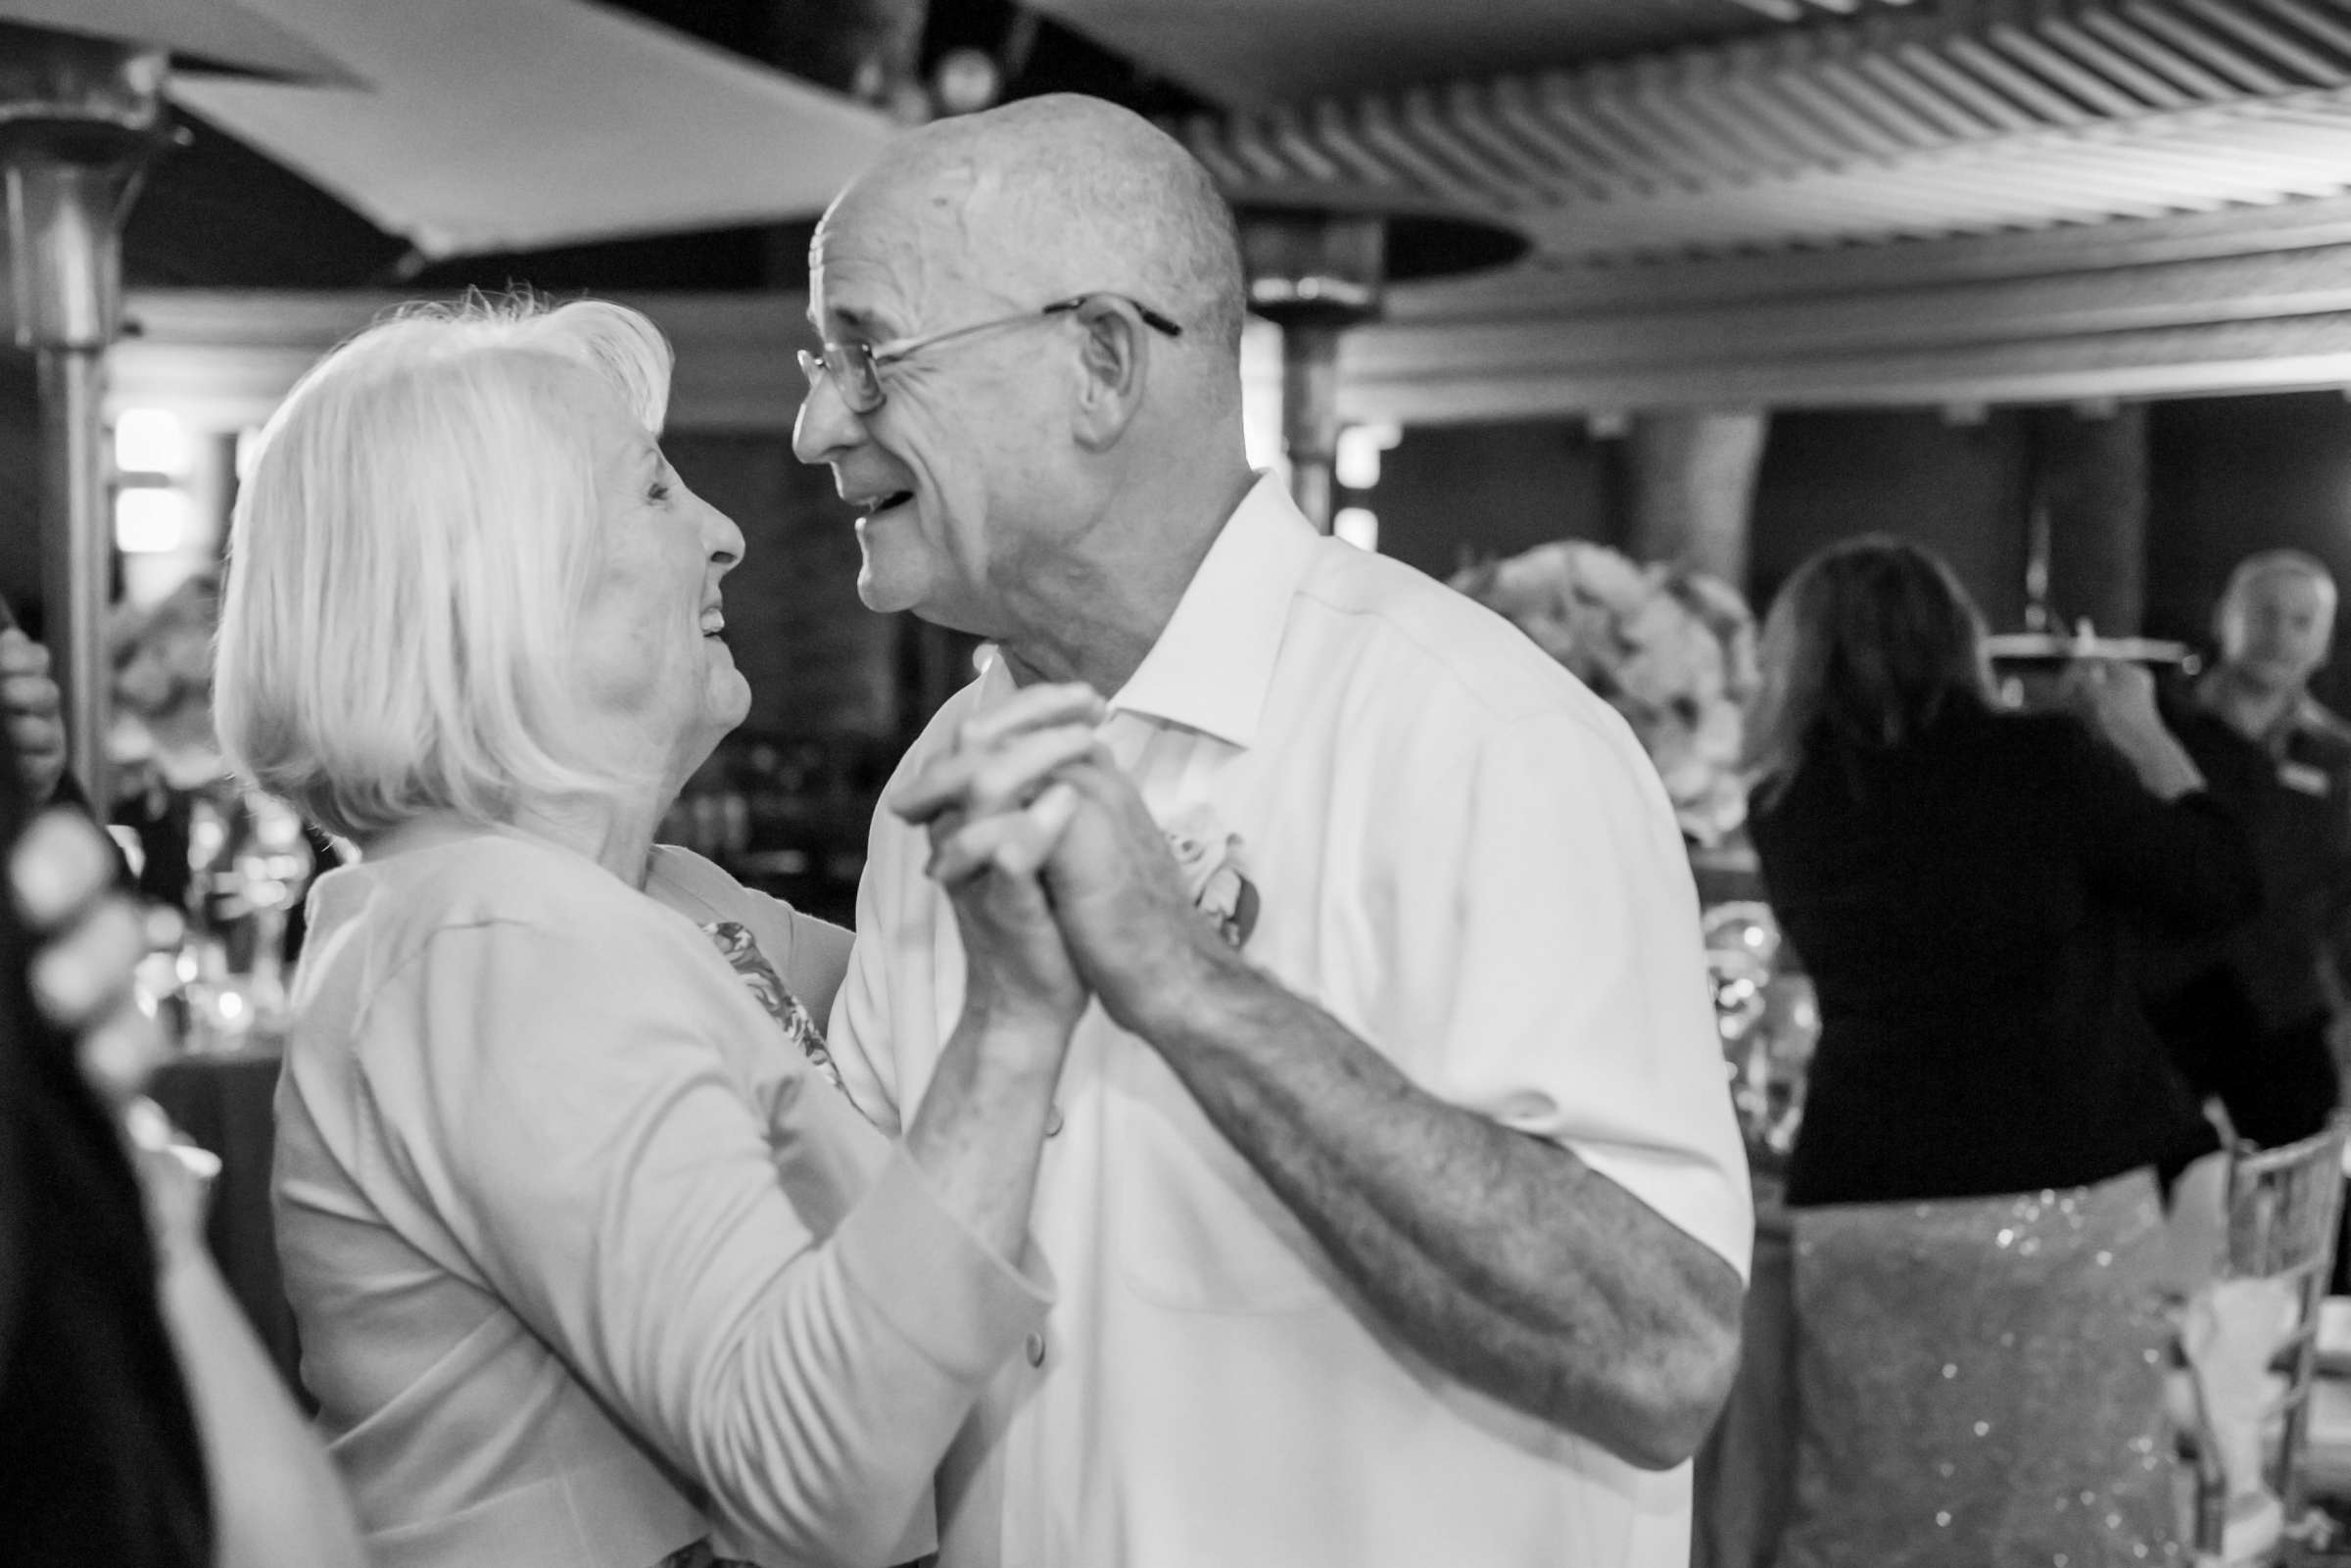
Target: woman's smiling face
(654,669)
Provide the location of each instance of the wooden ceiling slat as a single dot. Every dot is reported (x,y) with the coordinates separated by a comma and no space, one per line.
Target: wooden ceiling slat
(2159,57)
(1418,117)
(1772,154)
(1805,97)
(2064,32)
(1867,97)
(2087,86)
(1263,158)
(1671,153)
(2266,39)
(1899,80)
(1671,94)
(2334,34)
(2241,70)
(1288,135)
(1762,101)
(1376,122)
(1461,110)
(2016,84)
(1584,168)
(1337,136)
(1208,145)
(1629,160)
(1952,82)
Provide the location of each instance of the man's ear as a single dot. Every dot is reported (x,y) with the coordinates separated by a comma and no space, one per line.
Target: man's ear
(1113,365)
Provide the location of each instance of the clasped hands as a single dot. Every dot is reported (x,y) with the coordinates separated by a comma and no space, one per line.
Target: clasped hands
(1063,886)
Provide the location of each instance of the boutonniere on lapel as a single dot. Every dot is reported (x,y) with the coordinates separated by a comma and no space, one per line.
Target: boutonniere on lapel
(1215,875)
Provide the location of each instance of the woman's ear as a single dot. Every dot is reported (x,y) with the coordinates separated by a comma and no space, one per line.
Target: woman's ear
(1113,358)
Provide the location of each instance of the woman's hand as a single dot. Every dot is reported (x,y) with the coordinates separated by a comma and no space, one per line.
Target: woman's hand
(1017,968)
(87,942)
(996,812)
(2116,697)
(2117,700)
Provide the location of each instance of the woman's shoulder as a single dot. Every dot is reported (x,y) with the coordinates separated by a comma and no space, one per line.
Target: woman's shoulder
(696,886)
(488,886)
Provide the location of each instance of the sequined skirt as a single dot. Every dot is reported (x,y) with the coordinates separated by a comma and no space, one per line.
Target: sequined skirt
(1980,1383)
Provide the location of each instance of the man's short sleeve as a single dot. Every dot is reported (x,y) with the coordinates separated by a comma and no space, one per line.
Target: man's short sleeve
(1550,972)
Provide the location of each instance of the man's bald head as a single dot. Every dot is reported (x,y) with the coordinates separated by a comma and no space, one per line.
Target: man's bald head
(1046,198)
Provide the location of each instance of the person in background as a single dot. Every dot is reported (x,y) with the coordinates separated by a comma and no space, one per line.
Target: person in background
(163,748)
(593,1261)
(2250,1014)
(141,1423)
(1392,1180)
(1979,1248)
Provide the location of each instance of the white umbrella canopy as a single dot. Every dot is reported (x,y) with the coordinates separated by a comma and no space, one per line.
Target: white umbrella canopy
(498,125)
(201,34)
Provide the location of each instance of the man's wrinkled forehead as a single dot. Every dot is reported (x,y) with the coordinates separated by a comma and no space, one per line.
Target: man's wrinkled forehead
(900,244)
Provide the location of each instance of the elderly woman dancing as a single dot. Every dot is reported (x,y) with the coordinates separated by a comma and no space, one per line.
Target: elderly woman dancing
(593,1261)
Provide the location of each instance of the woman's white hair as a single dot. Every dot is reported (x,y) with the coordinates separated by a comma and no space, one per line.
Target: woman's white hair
(408,557)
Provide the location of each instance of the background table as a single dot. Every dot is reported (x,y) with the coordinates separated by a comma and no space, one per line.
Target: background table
(222,1102)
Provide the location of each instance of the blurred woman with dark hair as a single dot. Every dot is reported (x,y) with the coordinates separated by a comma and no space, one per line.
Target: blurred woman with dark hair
(1978,1238)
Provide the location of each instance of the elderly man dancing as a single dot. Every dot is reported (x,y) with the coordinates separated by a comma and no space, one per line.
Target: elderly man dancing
(1392,1190)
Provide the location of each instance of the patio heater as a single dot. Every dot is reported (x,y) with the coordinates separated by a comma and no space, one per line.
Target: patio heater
(1319,260)
(82,114)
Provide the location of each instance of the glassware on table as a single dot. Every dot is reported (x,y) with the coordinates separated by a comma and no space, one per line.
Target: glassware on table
(1767,1020)
(248,864)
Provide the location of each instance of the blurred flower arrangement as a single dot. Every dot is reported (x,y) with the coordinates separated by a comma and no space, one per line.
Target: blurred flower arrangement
(1672,649)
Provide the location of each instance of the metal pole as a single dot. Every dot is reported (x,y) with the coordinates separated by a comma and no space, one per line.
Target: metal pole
(79,116)
(1312,273)
(77,555)
(1310,413)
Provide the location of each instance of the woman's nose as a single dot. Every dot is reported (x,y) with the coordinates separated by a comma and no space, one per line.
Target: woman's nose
(723,539)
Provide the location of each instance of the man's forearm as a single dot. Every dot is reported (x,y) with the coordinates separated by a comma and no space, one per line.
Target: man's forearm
(1501,1257)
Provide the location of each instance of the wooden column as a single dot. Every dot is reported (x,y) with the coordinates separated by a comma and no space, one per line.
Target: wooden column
(1693,485)
(2090,475)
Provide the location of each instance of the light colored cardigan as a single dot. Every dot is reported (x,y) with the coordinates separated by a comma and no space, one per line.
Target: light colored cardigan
(588,1263)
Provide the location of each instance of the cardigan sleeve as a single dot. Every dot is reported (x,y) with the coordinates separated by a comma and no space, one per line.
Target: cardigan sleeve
(803,1351)
(2183,867)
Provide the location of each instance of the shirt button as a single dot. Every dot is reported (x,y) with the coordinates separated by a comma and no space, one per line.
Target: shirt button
(1053,1121)
(1034,1344)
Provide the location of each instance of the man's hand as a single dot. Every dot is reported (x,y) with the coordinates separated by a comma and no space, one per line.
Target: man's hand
(1115,891)
(1121,901)
(33,711)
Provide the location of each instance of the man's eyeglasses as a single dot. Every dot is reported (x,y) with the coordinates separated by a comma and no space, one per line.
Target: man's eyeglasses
(856,368)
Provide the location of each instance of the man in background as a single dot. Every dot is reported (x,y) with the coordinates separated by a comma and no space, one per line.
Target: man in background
(2251,1017)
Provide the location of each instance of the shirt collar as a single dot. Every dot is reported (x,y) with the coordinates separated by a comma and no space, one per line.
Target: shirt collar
(1214,662)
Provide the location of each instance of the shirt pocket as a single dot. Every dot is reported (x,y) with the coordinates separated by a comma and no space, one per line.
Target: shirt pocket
(1193,1227)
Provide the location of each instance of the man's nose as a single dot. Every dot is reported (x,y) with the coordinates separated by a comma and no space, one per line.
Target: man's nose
(825,427)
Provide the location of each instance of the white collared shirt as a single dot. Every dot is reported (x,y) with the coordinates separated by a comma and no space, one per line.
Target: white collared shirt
(1464,857)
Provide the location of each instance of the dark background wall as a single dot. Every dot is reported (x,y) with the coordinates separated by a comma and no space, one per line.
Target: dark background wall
(1450,494)
(2229,476)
